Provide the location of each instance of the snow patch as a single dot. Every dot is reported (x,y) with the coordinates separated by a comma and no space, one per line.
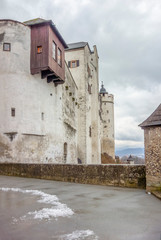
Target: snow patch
(57,210)
(79,235)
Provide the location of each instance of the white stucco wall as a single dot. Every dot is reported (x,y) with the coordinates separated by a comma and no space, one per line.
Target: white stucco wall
(88,146)
(34,139)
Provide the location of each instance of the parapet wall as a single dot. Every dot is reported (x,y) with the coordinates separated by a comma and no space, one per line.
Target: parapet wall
(110,175)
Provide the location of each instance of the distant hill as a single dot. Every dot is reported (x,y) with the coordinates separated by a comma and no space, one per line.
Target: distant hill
(139,152)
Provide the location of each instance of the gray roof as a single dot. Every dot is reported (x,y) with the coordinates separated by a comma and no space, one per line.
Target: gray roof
(76,45)
(103,90)
(130,158)
(37,21)
(154,119)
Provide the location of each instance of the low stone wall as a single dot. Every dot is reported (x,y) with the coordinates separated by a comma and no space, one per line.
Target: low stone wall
(109,175)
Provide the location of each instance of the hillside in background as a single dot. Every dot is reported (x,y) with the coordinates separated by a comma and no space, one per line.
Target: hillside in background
(139,152)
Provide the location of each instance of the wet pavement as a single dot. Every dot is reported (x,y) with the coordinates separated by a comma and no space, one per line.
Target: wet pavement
(32,209)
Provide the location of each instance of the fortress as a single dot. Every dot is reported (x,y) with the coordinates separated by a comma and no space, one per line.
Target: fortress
(51,108)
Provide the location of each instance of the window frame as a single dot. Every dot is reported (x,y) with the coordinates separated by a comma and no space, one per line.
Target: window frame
(13,112)
(39,47)
(6,43)
(59,60)
(76,62)
(54,50)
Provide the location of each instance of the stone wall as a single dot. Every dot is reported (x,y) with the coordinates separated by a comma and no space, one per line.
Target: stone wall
(109,175)
(152,140)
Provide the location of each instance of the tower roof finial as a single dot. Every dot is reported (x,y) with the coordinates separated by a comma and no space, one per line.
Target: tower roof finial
(103,90)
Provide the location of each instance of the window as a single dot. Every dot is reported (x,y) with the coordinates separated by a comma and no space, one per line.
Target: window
(6,47)
(89,88)
(73,64)
(59,57)
(13,112)
(39,49)
(42,116)
(54,51)
(65,152)
(90,131)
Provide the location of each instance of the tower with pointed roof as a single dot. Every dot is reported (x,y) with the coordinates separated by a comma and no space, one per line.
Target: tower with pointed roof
(107,123)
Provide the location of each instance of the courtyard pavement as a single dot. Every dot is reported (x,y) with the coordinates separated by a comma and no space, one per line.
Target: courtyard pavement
(33,209)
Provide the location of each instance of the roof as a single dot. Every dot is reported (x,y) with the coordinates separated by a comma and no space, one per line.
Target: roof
(37,21)
(11,20)
(103,90)
(154,119)
(130,158)
(76,45)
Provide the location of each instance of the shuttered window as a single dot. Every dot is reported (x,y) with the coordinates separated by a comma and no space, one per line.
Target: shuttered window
(73,64)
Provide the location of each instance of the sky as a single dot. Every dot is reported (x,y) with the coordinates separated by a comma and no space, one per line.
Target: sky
(127,34)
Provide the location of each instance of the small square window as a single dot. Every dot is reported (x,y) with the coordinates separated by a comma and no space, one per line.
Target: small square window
(73,64)
(6,47)
(13,112)
(39,49)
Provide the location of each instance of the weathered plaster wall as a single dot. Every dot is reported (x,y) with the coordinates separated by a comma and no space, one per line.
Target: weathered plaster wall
(86,76)
(78,75)
(36,133)
(107,124)
(109,175)
(152,142)
(70,118)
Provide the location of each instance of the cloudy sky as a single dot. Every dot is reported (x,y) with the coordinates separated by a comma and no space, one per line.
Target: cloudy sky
(128,37)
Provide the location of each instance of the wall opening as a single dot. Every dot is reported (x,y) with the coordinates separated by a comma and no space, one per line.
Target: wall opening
(13,112)
(42,116)
(65,152)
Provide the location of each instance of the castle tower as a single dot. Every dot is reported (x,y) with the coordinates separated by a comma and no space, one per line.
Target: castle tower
(107,123)
(83,64)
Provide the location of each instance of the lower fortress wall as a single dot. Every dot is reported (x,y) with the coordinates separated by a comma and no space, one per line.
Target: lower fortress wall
(133,176)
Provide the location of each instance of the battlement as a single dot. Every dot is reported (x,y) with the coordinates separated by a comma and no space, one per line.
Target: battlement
(106,97)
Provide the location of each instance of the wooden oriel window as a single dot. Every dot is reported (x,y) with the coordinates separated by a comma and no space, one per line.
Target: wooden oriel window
(39,49)
(73,64)
(59,57)
(54,51)
(6,47)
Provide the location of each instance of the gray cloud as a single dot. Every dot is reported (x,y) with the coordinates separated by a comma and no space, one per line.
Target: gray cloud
(128,36)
